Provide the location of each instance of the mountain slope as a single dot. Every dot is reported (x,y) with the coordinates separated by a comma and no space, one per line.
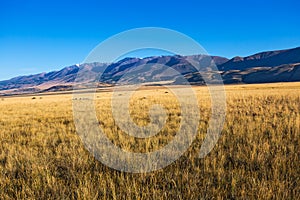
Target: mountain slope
(264,59)
(271,66)
(282,73)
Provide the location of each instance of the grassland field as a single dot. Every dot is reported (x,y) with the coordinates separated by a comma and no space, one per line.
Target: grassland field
(256,157)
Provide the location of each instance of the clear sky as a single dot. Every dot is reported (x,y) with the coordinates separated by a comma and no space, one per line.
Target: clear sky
(38,36)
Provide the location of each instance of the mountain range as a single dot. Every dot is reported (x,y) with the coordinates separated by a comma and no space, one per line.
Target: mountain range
(264,67)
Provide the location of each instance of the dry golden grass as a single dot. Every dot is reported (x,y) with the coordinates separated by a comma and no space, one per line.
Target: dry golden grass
(256,157)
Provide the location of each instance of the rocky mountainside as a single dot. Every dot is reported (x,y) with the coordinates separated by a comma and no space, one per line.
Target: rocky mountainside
(264,67)
(264,59)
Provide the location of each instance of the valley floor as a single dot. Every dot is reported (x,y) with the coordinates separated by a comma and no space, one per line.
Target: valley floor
(256,157)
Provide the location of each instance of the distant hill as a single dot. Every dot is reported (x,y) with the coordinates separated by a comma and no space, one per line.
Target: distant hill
(264,67)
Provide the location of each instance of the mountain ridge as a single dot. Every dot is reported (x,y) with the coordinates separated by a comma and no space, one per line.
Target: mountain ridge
(263,67)
(263,59)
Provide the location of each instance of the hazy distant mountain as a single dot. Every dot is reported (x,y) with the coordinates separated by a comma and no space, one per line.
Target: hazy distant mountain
(45,81)
(271,66)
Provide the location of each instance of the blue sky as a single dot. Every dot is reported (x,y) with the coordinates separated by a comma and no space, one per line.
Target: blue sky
(38,36)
